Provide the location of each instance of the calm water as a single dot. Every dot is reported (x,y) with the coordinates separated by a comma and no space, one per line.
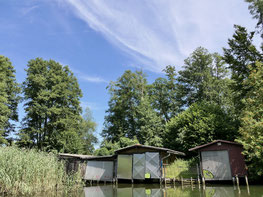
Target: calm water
(156,191)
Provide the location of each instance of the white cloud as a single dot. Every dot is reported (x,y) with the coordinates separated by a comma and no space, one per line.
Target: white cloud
(82,76)
(161,32)
(92,79)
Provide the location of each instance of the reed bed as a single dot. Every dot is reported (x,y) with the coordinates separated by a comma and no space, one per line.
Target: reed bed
(28,172)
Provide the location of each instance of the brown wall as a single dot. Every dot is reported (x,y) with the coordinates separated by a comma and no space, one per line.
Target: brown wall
(236,158)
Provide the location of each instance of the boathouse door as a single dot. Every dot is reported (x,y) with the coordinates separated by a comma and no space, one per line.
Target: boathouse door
(138,166)
(216,165)
(153,165)
(124,168)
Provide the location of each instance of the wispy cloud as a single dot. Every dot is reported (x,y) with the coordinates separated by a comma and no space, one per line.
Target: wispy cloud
(92,79)
(28,9)
(82,76)
(161,32)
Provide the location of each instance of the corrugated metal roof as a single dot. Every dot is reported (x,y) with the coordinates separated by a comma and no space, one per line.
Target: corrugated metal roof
(150,147)
(208,144)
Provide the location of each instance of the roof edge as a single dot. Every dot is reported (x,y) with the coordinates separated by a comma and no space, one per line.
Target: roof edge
(213,142)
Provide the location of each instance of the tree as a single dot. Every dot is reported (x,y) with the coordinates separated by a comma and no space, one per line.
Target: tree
(204,78)
(251,129)
(8,98)
(163,95)
(125,117)
(52,107)
(87,129)
(108,148)
(199,124)
(151,127)
(256,10)
(238,56)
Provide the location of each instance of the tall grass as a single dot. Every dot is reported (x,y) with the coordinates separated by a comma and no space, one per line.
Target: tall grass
(27,172)
(181,168)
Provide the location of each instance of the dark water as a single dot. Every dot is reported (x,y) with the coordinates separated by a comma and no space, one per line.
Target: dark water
(185,191)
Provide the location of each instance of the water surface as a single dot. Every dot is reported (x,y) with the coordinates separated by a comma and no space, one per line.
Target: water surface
(172,191)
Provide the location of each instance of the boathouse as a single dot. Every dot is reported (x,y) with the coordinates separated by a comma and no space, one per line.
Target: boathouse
(136,162)
(221,160)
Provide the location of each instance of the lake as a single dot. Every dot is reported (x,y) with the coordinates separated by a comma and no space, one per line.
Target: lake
(171,191)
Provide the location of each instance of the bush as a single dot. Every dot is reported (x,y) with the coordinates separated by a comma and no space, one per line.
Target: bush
(24,171)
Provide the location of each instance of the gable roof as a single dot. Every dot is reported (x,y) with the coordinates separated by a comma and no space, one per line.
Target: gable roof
(208,144)
(150,147)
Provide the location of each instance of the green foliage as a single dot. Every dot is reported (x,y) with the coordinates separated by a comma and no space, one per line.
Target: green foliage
(108,148)
(52,108)
(199,124)
(130,112)
(238,56)
(8,98)
(163,93)
(204,78)
(256,10)
(87,130)
(251,129)
(181,168)
(28,172)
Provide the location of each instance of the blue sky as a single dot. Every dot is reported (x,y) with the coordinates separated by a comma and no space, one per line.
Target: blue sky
(100,39)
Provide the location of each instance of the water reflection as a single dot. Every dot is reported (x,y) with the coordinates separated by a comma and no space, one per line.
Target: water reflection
(157,191)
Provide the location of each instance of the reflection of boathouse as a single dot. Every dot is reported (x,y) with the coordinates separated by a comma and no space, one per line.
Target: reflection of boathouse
(221,160)
(136,162)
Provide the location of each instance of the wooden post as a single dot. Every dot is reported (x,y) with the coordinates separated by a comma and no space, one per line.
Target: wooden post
(246,180)
(182,181)
(174,181)
(248,191)
(203,180)
(198,180)
(237,179)
(191,181)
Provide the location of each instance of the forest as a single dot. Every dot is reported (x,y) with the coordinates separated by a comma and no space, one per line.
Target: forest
(214,96)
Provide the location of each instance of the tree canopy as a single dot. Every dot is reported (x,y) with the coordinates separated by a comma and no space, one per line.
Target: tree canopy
(251,129)
(199,124)
(9,99)
(52,106)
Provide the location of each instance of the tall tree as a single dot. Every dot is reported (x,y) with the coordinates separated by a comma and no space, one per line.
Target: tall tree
(125,117)
(87,129)
(204,78)
(256,9)
(8,98)
(238,56)
(163,94)
(52,107)
(251,129)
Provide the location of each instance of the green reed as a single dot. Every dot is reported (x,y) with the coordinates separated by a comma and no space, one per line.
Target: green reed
(27,172)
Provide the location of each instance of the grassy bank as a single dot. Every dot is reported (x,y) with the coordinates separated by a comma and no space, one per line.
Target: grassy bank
(181,168)
(29,172)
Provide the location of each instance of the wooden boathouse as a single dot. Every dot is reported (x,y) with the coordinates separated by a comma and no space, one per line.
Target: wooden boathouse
(136,162)
(221,160)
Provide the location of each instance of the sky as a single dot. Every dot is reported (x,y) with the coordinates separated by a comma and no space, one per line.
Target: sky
(100,39)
